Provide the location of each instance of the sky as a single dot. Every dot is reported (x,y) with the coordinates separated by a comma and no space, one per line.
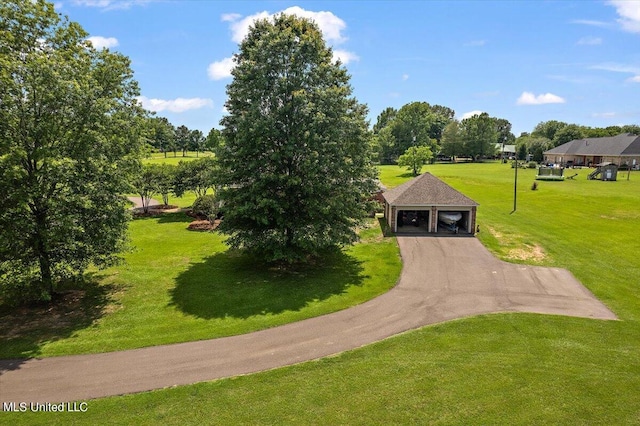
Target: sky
(525,61)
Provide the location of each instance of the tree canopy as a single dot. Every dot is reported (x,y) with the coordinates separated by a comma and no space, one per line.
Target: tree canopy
(415,124)
(294,171)
(414,158)
(70,129)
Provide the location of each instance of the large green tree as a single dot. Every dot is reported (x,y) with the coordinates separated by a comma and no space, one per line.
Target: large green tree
(183,139)
(479,134)
(567,134)
(295,170)
(452,141)
(162,135)
(69,130)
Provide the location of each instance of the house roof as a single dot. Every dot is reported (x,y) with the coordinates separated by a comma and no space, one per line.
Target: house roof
(507,148)
(426,189)
(612,146)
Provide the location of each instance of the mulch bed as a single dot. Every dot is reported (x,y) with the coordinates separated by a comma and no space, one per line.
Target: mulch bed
(203,225)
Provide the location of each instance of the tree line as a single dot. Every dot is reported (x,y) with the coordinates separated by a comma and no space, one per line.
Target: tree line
(552,133)
(164,137)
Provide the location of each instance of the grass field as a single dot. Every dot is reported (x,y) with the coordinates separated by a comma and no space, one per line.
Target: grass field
(159,158)
(492,369)
(180,285)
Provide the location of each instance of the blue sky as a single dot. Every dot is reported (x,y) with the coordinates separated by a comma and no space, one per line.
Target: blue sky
(573,61)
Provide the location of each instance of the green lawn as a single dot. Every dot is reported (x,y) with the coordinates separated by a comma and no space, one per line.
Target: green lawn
(179,285)
(491,369)
(159,158)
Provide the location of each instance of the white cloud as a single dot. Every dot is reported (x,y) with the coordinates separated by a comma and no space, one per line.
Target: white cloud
(220,69)
(528,98)
(230,17)
(604,114)
(629,12)
(344,56)
(470,114)
(405,77)
(103,42)
(111,4)
(614,67)
(330,25)
(590,41)
(174,105)
(590,22)
(634,79)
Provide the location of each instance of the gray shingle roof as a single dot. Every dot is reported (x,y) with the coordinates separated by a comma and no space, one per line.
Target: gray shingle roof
(623,144)
(426,189)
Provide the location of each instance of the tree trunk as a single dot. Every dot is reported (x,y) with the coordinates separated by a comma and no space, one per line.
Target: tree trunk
(42,252)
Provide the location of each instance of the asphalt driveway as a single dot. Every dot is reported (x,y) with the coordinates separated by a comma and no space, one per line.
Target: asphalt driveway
(443,278)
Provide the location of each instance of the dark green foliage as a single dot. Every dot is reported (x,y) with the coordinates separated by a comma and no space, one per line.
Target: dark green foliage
(567,134)
(196,176)
(384,119)
(479,134)
(521,153)
(415,124)
(162,136)
(183,139)
(214,140)
(70,131)
(207,206)
(452,141)
(295,171)
(197,141)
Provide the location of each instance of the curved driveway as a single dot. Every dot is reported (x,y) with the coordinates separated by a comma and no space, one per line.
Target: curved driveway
(442,278)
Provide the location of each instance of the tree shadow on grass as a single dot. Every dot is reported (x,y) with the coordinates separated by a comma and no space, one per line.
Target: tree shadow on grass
(25,329)
(237,285)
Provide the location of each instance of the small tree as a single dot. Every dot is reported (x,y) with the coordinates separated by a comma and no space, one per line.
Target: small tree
(165,179)
(196,141)
(145,184)
(414,158)
(182,139)
(196,176)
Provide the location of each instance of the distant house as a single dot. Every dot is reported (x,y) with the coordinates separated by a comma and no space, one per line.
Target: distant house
(623,149)
(414,207)
(508,151)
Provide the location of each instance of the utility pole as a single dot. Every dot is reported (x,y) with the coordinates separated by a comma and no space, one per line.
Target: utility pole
(515,187)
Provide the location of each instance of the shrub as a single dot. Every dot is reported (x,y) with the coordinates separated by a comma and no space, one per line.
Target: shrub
(206,205)
(532,165)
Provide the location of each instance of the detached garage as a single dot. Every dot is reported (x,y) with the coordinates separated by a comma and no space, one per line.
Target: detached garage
(428,205)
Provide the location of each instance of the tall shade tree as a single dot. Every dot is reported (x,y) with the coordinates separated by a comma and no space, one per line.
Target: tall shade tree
(70,127)
(183,139)
(213,140)
(384,119)
(452,141)
(295,170)
(412,126)
(479,134)
(197,141)
(567,134)
(163,135)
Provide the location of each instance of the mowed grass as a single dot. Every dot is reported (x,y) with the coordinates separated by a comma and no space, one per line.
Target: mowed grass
(159,158)
(179,285)
(492,369)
